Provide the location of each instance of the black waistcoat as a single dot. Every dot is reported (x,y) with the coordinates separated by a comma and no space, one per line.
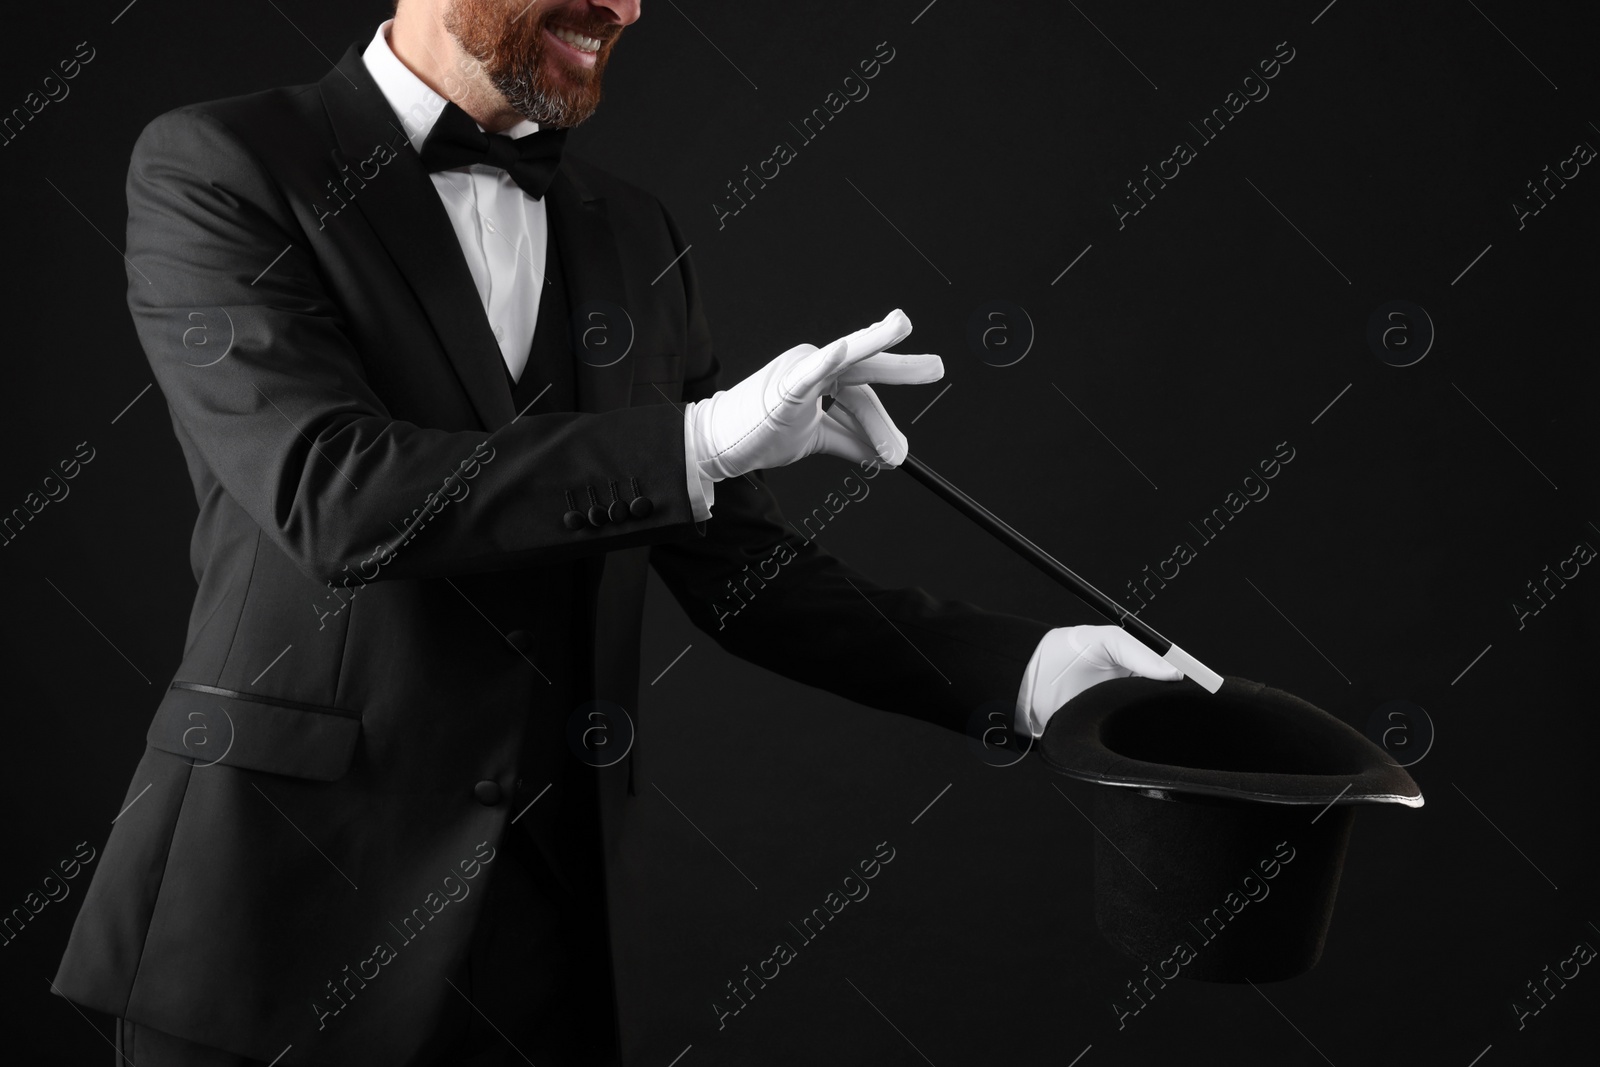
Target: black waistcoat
(554,802)
(565,818)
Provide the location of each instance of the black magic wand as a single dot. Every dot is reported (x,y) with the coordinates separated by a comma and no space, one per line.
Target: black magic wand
(1192,668)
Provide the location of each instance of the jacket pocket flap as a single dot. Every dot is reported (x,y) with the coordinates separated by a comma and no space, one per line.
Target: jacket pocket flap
(211,726)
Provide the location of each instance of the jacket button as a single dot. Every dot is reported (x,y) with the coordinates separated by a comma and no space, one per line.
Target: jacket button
(487,792)
(641,507)
(617,511)
(573,520)
(597,516)
(521,640)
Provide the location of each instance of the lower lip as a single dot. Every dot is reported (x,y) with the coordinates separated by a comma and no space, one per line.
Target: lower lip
(578,55)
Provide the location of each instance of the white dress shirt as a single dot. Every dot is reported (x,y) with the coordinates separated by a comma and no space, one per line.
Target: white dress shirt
(503,232)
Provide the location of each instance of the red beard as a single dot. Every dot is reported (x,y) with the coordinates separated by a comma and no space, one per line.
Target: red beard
(538,80)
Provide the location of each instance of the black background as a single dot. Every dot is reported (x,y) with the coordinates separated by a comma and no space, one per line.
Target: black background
(1172,356)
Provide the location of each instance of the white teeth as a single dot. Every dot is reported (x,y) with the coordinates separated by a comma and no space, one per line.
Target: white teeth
(577,40)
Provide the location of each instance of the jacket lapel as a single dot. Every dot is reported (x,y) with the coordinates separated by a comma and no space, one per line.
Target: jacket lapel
(597,297)
(403,208)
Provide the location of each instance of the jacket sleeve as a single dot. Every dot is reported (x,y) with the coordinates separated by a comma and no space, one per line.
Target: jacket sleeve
(766,593)
(288,425)
(770,596)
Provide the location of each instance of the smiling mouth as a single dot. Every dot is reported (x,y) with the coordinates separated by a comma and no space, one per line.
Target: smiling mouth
(583,43)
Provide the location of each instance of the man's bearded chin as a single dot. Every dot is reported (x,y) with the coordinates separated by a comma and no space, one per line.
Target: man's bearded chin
(515,55)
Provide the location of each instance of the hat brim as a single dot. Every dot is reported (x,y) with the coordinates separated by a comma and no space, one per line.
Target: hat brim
(1247,741)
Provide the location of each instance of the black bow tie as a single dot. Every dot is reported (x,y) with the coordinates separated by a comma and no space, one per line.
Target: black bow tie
(456,141)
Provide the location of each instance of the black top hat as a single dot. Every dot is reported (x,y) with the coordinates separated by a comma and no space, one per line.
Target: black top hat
(1224,820)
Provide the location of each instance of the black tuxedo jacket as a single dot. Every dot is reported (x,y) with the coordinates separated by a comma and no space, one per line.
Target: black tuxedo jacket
(372,513)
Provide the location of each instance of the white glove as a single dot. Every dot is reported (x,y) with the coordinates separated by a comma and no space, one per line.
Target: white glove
(1070,659)
(775,416)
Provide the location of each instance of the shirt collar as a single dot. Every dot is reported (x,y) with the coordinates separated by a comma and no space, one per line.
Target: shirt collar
(416,105)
